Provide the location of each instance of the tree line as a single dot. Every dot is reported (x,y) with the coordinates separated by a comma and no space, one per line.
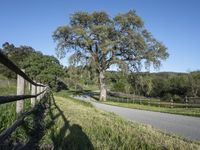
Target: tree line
(40,67)
(47,69)
(165,85)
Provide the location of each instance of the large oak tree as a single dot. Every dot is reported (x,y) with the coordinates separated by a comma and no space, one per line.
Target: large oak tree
(102,40)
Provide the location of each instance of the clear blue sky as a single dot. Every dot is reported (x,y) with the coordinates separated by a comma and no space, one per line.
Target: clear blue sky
(174,22)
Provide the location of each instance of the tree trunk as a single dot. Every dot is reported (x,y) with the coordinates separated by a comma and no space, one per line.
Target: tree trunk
(102,86)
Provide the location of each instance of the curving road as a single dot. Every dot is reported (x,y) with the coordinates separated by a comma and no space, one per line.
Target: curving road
(185,126)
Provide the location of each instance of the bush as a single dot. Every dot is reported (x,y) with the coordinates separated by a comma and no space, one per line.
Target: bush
(118,87)
(177,98)
(167,97)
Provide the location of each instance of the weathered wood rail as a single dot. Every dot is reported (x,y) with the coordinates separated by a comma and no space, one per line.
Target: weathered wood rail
(38,91)
(187,102)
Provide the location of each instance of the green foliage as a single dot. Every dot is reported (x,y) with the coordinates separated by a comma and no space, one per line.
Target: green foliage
(39,67)
(118,82)
(98,39)
(16,54)
(80,76)
(44,68)
(194,82)
(163,85)
(176,98)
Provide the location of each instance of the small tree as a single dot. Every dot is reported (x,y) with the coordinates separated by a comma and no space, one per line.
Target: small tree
(104,41)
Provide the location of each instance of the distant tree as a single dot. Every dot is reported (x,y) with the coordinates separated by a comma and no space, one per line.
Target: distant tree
(160,86)
(194,82)
(179,85)
(44,68)
(15,54)
(104,41)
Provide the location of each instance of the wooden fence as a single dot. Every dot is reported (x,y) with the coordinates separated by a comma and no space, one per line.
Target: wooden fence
(38,91)
(189,102)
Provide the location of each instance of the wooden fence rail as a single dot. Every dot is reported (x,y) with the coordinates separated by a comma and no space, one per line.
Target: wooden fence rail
(154,102)
(8,99)
(38,91)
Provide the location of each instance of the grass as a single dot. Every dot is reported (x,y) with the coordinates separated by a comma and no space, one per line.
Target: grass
(3,77)
(180,111)
(8,89)
(65,123)
(8,111)
(78,125)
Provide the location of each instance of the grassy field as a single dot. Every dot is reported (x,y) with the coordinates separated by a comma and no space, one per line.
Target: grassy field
(65,123)
(61,122)
(78,125)
(181,111)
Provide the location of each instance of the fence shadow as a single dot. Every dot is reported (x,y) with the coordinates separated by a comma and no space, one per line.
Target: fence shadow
(69,136)
(35,129)
(66,137)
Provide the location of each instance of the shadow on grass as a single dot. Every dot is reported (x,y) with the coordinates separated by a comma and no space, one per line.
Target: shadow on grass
(67,137)
(32,128)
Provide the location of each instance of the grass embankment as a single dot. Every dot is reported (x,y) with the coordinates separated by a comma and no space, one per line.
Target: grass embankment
(65,123)
(78,125)
(180,111)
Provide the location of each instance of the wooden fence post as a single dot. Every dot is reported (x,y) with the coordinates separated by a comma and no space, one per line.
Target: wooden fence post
(33,92)
(29,86)
(186,101)
(42,93)
(171,103)
(42,89)
(20,91)
(159,102)
(38,91)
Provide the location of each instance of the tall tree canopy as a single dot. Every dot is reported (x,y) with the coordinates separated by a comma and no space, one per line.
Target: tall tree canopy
(99,39)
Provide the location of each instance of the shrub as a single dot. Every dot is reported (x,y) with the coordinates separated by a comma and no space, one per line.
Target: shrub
(167,97)
(177,98)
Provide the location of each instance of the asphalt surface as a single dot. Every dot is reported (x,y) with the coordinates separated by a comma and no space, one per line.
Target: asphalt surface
(185,126)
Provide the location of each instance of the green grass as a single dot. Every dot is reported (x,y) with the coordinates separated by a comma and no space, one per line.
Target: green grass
(8,111)
(81,126)
(66,123)
(2,77)
(8,89)
(181,111)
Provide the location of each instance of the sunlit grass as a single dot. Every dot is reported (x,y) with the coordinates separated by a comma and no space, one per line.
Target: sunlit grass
(71,124)
(82,125)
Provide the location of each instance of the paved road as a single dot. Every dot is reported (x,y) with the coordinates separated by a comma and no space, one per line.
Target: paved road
(188,127)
